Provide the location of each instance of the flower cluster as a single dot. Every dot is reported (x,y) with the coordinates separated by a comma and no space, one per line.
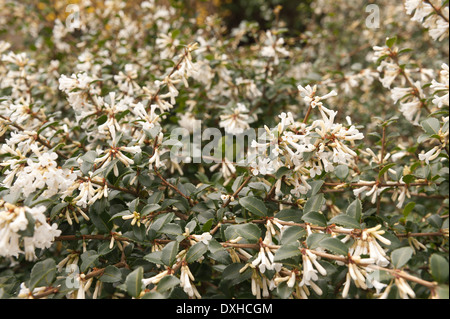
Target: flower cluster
(155,150)
(306,150)
(24,229)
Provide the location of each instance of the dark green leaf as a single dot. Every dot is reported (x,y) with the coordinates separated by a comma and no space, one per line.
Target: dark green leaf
(254,205)
(291,234)
(354,210)
(287,251)
(401,256)
(334,245)
(111,274)
(167,283)
(345,221)
(133,282)
(439,268)
(195,252)
(315,218)
(42,274)
(314,204)
(169,253)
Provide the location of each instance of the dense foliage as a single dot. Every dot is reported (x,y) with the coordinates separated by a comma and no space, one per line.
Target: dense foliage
(147,153)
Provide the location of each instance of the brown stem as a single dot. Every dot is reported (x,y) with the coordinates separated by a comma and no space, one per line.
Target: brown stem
(437,10)
(237,191)
(165,182)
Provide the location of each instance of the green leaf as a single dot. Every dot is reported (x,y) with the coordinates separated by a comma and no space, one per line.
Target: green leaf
(341,171)
(89,258)
(149,209)
(291,234)
(439,268)
(133,282)
(345,221)
(354,210)
(284,291)
(408,208)
(313,241)
(254,205)
(169,252)
(43,127)
(101,221)
(286,251)
(314,203)
(232,274)
(315,187)
(154,257)
(431,126)
(59,207)
(161,221)
(250,232)
(290,214)
(171,229)
(195,252)
(315,218)
(435,221)
(391,41)
(408,179)
(401,256)
(334,245)
(42,274)
(281,171)
(442,292)
(111,274)
(385,169)
(167,283)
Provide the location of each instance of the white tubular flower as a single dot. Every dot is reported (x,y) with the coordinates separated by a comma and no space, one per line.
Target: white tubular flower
(404,289)
(368,244)
(391,71)
(155,279)
(309,273)
(309,95)
(346,285)
(424,13)
(430,155)
(185,282)
(14,219)
(399,93)
(400,194)
(274,48)
(204,238)
(135,218)
(318,266)
(262,261)
(291,281)
(441,87)
(386,292)
(356,274)
(235,122)
(126,80)
(112,108)
(25,292)
(147,120)
(412,110)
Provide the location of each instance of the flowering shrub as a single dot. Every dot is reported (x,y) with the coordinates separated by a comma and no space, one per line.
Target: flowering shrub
(147,154)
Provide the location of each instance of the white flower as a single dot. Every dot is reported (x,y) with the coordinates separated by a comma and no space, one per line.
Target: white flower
(430,155)
(14,219)
(204,238)
(274,48)
(235,122)
(185,282)
(441,87)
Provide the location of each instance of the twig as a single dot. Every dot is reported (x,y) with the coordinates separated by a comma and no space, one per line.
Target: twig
(237,191)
